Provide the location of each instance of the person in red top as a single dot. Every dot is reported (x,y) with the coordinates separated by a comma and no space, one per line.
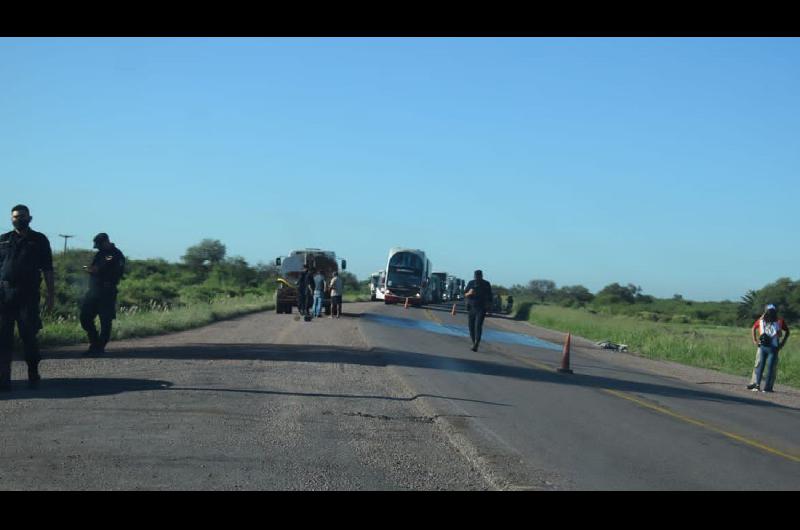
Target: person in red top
(767,332)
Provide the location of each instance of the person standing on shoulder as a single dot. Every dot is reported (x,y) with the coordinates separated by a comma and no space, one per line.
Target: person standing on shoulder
(337,288)
(767,332)
(25,255)
(319,293)
(479,301)
(105,272)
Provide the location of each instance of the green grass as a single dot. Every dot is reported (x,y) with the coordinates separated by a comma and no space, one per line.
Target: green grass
(724,348)
(157,320)
(355,297)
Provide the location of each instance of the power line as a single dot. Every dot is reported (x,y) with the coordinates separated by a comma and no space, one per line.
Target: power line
(65,240)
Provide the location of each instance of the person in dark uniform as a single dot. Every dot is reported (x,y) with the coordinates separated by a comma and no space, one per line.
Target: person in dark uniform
(105,272)
(304,287)
(25,255)
(479,302)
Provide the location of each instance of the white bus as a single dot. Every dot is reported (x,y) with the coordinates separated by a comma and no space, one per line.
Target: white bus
(408,274)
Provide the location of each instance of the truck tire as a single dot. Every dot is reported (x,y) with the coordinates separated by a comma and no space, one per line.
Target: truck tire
(278,308)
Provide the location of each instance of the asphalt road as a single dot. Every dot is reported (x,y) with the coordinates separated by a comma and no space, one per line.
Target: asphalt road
(385,398)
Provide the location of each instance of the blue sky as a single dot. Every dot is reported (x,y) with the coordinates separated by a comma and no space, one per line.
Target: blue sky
(665,162)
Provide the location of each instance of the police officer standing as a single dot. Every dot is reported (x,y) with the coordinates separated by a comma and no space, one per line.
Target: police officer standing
(479,302)
(24,256)
(304,286)
(105,272)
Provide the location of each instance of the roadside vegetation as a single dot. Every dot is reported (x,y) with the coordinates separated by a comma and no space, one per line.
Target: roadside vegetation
(156,296)
(713,335)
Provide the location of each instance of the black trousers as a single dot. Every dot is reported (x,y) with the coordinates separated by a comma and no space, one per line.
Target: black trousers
(302,303)
(24,312)
(475,318)
(102,304)
(336,305)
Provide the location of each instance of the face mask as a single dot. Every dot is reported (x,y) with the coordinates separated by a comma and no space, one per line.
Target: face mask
(19,224)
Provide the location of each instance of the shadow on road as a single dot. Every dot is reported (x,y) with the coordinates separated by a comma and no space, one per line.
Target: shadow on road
(385,357)
(80,388)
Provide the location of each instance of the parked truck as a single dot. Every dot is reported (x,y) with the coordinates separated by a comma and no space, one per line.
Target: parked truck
(291,266)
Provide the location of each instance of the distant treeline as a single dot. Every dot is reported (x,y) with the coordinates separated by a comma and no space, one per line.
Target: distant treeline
(630,300)
(203,274)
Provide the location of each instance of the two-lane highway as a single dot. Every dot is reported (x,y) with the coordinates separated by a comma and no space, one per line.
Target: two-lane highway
(384,398)
(607,426)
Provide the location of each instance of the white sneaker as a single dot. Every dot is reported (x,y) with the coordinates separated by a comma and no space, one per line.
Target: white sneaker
(755,389)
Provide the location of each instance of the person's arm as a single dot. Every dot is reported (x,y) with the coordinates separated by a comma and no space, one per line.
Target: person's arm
(755,328)
(49,283)
(785,336)
(47,270)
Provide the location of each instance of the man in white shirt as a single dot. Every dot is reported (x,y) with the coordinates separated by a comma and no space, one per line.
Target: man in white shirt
(337,288)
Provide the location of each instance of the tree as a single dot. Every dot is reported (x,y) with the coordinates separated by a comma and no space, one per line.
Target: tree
(617,294)
(574,295)
(542,289)
(349,281)
(205,254)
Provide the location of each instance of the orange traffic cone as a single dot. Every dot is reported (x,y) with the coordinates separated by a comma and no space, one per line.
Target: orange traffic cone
(565,358)
(406,306)
(453,312)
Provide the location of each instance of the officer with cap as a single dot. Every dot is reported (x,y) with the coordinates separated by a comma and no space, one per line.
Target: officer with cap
(25,255)
(105,272)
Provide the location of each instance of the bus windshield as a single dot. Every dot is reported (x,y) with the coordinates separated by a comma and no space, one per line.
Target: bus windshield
(405,270)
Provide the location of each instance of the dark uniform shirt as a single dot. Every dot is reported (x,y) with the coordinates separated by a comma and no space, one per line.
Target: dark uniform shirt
(304,282)
(23,259)
(482,299)
(110,267)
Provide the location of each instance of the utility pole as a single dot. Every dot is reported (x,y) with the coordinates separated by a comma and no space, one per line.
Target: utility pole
(65,240)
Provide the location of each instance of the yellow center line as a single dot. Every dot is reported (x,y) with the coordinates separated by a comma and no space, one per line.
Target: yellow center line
(702,424)
(660,409)
(432,316)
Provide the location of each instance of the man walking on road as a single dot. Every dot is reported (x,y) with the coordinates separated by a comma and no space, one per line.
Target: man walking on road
(767,332)
(25,255)
(105,272)
(479,301)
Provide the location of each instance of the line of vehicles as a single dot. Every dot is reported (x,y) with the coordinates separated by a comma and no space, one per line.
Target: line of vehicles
(408,275)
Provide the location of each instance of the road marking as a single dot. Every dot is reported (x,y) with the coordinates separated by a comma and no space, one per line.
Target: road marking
(661,409)
(681,417)
(657,408)
(432,316)
(702,424)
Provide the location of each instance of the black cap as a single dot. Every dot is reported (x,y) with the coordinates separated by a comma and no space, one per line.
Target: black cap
(479,273)
(102,236)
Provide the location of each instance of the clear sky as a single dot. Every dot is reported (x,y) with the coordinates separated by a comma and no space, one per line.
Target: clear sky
(670,163)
